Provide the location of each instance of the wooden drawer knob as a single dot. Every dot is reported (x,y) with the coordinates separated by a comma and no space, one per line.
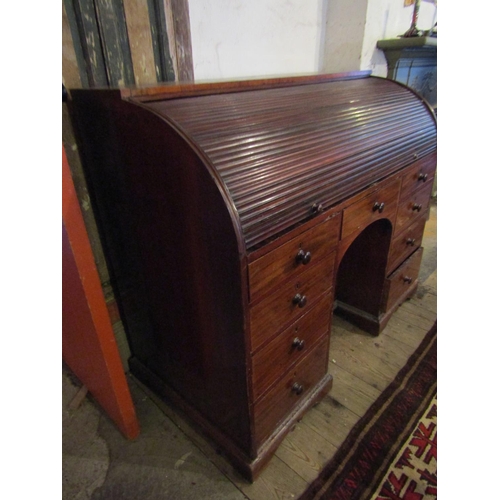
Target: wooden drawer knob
(297,389)
(407,279)
(298,344)
(410,241)
(422,177)
(303,257)
(378,206)
(300,300)
(417,207)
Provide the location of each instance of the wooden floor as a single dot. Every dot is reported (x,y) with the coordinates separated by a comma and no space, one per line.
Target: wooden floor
(362,366)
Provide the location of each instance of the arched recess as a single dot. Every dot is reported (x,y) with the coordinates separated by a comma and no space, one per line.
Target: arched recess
(361,277)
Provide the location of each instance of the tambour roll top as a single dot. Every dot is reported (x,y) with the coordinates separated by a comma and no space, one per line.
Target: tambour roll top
(284,153)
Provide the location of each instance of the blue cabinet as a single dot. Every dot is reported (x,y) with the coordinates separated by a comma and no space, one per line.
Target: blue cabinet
(413,61)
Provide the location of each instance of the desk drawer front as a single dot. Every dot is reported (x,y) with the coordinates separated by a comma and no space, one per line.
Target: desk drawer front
(413,206)
(380,204)
(419,175)
(290,346)
(296,297)
(290,259)
(402,278)
(289,391)
(405,243)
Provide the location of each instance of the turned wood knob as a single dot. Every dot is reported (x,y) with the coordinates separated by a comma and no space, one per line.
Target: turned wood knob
(407,279)
(300,300)
(410,241)
(297,388)
(417,207)
(378,206)
(422,177)
(298,344)
(317,208)
(303,257)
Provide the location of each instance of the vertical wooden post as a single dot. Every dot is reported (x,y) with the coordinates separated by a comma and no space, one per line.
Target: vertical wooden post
(179,29)
(140,41)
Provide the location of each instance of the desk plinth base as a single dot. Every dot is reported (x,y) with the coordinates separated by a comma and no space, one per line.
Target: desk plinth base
(369,322)
(248,467)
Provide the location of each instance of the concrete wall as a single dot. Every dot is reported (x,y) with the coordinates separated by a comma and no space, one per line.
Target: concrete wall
(242,39)
(344,33)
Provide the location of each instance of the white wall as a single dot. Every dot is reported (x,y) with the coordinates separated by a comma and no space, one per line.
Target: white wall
(234,39)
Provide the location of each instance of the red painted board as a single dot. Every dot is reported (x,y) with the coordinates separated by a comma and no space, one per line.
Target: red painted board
(88,342)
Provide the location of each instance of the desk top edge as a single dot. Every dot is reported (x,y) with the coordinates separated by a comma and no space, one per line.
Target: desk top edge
(172,90)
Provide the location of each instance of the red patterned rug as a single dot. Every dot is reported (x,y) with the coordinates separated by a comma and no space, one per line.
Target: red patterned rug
(391,453)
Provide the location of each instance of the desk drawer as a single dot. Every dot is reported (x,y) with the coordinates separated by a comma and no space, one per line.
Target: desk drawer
(419,175)
(290,259)
(411,207)
(380,204)
(290,391)
(296,297)
(290,346)
(397,284)
(405,243)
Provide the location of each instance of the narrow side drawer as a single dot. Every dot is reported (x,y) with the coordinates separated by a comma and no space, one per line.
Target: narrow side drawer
(290,346)
(411,207)
(405,243)
(290,391)
(419,174)
(288,303)
(380,204)
(293,257)
(402,280)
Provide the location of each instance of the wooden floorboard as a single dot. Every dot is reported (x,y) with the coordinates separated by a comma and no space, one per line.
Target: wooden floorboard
(277,482)
(352,392)
(403,331)
(353,359)
(305,451)
(331,420)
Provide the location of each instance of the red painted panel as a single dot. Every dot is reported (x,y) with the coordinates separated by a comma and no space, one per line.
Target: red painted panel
(88,343)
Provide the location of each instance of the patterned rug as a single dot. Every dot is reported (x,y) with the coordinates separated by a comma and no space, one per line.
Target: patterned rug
(391,453)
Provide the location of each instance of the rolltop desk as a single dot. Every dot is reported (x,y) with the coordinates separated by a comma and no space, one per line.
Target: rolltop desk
(236,217)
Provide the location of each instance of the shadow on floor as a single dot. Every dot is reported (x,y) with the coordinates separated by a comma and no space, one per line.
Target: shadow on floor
(162,463)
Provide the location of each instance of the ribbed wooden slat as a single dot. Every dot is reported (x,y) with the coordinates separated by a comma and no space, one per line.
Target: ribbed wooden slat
(280,150)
